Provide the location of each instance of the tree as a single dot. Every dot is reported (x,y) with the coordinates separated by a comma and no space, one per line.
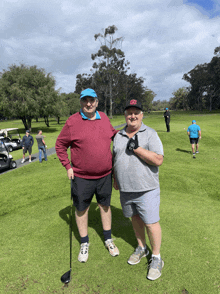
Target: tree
(159,105)
(27,92)
(204,90)
(180,99)
(110,79)
(111,63)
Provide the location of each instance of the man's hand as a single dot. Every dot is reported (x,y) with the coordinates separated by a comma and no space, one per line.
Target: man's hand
(133,143)
(115,185)
(70,174)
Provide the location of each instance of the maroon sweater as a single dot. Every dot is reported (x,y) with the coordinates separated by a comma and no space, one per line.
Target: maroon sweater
(90,141)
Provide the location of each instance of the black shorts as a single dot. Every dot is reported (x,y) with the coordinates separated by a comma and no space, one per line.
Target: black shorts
(29,149)
(83,190)
(194,140)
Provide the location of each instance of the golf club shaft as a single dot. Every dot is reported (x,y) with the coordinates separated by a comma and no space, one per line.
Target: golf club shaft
(71,219)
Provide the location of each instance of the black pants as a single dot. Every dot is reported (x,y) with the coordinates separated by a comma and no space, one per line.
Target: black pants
(167,125)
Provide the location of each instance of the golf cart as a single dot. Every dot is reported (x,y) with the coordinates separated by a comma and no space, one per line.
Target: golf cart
(6,160)
(11,138)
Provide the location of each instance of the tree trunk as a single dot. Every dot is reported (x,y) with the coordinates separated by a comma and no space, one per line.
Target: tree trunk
(46,120)
(105,103)
(29,119)
(24,122)
(110,98)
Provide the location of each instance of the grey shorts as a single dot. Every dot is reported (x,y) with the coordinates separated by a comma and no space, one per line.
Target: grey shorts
(145,204)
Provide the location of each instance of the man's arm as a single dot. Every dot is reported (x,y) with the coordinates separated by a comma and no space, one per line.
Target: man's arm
(62,143)
(149,157)
(200,134)
(22,143)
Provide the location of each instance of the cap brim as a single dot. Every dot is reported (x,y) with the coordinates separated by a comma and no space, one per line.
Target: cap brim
(129,106)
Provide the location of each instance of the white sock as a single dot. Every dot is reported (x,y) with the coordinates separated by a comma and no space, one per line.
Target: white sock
(158,255)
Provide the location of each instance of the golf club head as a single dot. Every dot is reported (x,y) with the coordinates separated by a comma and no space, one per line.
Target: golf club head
(66,277)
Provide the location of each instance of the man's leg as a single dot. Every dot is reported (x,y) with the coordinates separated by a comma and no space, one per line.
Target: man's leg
(139,229)
(141,250)
(23,150)
(193,148)
(40,154)
(82,222)
(45,153)
(155,235)
(156,263)
(106,217)
(197,147)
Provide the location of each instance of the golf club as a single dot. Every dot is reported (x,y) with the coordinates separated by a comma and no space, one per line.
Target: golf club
(65,278)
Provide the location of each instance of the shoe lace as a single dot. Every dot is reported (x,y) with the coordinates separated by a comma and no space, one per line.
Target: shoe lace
(154,262)
(84,248)
(111,244)
(138,250)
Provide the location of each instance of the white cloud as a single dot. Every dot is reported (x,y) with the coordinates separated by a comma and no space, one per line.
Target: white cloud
(163,39)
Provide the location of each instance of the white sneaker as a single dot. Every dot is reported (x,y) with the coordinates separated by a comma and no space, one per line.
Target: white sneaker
(155,268)
(29,160)
(22,161)
(110,245)
(84,252)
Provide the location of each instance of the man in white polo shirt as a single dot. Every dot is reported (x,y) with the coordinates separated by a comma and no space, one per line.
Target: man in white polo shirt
(138,152)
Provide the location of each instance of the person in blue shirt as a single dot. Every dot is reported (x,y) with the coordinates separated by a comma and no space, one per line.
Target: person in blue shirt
(194,133)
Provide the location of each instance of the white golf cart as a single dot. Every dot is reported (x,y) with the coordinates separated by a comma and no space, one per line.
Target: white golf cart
(11,138)
(6,160)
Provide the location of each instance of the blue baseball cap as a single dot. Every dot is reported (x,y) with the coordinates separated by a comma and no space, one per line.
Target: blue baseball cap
(193,121)
(88,93)
(166,108)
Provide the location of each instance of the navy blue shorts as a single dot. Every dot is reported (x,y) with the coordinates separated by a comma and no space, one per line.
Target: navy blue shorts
(29,149)
(194,140)
(83,190)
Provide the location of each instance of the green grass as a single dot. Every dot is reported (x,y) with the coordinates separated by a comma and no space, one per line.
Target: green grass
(35,205)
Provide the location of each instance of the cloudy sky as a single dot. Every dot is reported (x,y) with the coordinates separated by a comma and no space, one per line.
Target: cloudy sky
(163,39)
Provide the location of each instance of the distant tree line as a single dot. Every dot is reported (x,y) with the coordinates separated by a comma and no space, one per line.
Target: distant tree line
(204,89)
(28,93)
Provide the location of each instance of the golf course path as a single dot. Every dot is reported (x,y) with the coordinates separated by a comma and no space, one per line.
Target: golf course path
(50,151)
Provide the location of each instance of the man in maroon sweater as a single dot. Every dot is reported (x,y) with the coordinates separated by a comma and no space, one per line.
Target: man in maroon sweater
(89,134)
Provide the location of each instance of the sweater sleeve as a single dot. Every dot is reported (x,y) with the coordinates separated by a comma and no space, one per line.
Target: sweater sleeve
(62,143)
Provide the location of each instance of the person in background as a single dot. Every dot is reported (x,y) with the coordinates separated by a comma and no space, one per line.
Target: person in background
(137,153)
(26,144)
(41,146)
(167,119)
(89,133)
(194,133)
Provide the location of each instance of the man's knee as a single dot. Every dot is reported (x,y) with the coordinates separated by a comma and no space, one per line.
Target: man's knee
(81,213)
(152,226)
(104,207)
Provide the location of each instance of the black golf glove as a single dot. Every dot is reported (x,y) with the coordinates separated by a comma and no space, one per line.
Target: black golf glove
(133,143)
